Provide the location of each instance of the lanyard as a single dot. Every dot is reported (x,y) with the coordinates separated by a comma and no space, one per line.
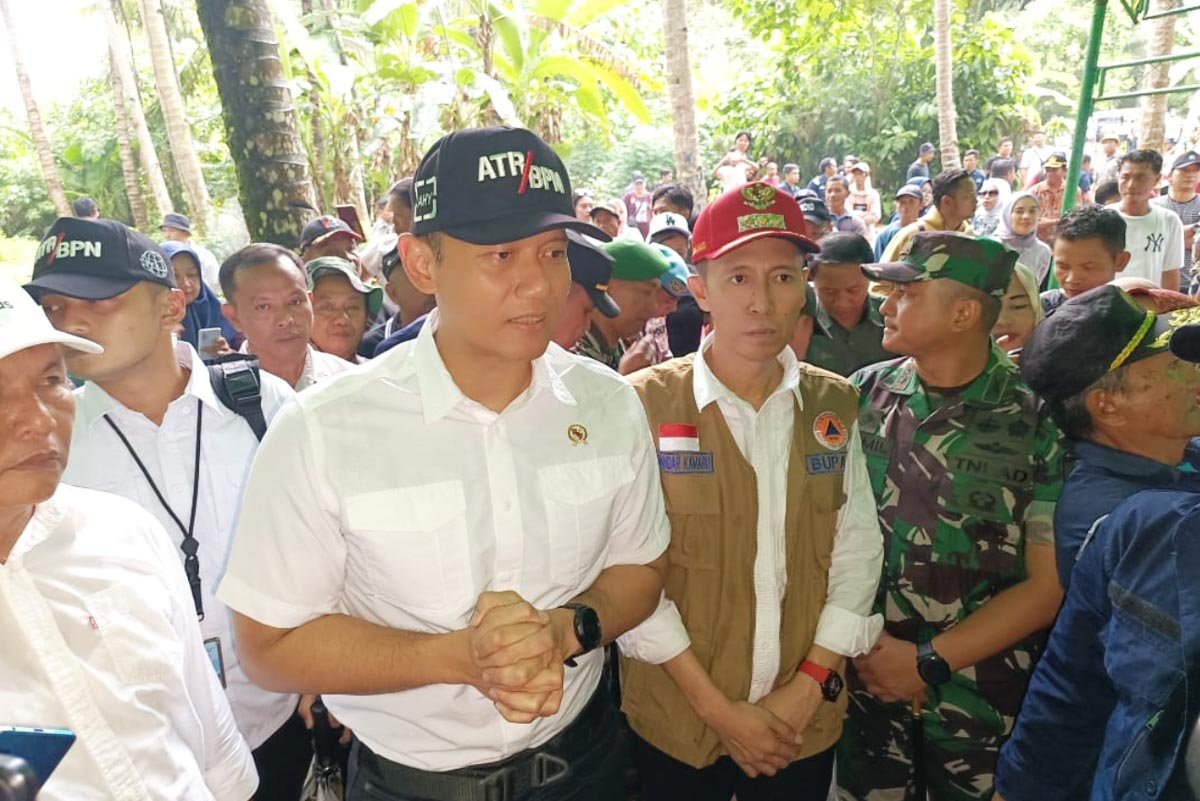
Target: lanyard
(190,545)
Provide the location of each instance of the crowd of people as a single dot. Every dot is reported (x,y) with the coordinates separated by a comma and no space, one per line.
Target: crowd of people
(550,497)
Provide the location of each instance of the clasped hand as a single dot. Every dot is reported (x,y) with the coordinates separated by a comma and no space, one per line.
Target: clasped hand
(516,653)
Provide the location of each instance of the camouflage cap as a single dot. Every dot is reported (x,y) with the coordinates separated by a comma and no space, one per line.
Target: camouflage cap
(982,264)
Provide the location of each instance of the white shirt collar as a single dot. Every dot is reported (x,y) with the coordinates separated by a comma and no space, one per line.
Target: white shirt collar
(94,402)
(707,388)
(439,393)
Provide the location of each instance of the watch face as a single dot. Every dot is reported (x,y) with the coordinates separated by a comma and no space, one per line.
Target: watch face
(934,670)
(587,628)
(832,688)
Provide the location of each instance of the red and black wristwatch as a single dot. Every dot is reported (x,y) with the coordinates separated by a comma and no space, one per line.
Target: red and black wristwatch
(829,679)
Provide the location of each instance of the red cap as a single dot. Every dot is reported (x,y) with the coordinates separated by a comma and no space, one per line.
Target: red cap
(742,215)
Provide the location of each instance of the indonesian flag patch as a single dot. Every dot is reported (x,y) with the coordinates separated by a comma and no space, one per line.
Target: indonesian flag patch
(678,437)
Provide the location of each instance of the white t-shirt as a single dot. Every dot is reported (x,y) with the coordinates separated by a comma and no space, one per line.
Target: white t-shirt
(1155,241)
(1033,158)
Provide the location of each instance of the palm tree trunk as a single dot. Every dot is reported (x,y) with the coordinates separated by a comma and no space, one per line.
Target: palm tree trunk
(118,42)
(41,141)
(683,106)
(261,123)
(170,98)
(128,165)
(1157,76)
(947,116)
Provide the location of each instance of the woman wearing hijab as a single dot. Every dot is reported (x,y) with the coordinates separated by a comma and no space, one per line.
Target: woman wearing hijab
(992,195)
(1020,312)
(1018,230)
(203,309)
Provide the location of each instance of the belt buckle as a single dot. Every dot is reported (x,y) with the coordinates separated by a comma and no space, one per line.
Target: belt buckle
(497,786)
(547,768)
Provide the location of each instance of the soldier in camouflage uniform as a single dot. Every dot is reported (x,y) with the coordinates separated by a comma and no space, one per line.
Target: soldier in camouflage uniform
(965,463)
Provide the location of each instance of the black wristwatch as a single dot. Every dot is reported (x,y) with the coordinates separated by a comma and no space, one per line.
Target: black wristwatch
(930,665)
(587,630)
(829,679)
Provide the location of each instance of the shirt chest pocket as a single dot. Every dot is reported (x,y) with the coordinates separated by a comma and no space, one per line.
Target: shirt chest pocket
(134,622)
(413,544)
(580,498)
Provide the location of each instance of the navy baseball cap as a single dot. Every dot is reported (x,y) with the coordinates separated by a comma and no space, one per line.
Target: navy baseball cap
(488,186)
(322,228)
(592,268)
(96,260)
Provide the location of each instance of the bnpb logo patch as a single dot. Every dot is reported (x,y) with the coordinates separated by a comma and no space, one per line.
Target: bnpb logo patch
(830,431)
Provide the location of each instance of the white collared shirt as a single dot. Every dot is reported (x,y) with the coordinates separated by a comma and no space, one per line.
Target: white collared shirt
(764,437)
(100,461)
(100,637)
(388,495)
(318,366)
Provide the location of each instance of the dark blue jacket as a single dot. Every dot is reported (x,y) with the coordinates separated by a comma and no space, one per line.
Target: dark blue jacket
(1114,696)
(1101,479)
(406,333)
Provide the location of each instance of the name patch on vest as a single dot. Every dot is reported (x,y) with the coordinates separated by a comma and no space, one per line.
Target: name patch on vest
(819,464)
(685,462)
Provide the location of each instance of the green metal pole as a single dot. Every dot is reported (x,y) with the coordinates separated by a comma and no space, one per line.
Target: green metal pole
(1086,95)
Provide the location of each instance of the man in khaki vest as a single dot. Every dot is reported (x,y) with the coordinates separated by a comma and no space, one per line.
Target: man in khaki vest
(732,686)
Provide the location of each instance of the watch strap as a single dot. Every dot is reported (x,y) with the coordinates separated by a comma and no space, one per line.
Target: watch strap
(815,671)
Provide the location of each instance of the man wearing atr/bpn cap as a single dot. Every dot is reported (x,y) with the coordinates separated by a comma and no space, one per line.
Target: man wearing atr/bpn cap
(732,686)
(965,463)
(150,428)
(453,605)
(96,619)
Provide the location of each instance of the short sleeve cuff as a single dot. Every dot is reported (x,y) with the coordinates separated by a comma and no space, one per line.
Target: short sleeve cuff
(1039,523)
(244,599)
(659,638)
(235,779)
(654,546)
(846,633)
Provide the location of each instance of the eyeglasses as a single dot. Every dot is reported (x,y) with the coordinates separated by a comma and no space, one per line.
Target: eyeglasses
(990,193)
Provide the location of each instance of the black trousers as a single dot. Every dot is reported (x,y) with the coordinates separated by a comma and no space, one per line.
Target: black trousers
(596,773)
(282,762)
(663,778)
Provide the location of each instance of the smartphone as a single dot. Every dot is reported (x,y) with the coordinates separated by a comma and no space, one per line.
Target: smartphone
(349,215)
(207,341)
(41,749)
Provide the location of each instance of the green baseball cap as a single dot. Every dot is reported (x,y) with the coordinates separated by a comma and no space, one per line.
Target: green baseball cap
(635,261)
(982,264)
(332,265)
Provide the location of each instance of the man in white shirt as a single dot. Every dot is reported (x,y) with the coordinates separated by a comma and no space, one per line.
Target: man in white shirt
(425,540)
(776,550)
(95,615)
(150,427)
(1153,235)
(266,298)
(1033,158)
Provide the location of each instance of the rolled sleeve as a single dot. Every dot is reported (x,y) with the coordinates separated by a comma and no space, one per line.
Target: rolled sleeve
(846,625)
(641,531)
(660,638)
(287,562)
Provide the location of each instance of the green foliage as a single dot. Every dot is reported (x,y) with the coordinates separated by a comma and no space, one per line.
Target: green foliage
(592,164)
(858,78)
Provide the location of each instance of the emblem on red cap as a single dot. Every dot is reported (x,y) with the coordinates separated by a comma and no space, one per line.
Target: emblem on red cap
(758,196)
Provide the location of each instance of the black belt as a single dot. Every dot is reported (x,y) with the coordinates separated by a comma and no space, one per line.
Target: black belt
(498,781)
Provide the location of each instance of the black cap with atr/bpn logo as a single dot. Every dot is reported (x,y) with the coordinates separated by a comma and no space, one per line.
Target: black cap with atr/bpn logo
(96,260)
(488,186)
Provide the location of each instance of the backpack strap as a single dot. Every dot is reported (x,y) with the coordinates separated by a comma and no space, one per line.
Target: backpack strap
(235,380)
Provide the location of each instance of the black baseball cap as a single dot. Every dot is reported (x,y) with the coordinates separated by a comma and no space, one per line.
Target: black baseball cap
(390,261)
(592,268)
(1186,160)
(322,228)
(488,186)
(814,209)
(96,260)
(1093,334)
